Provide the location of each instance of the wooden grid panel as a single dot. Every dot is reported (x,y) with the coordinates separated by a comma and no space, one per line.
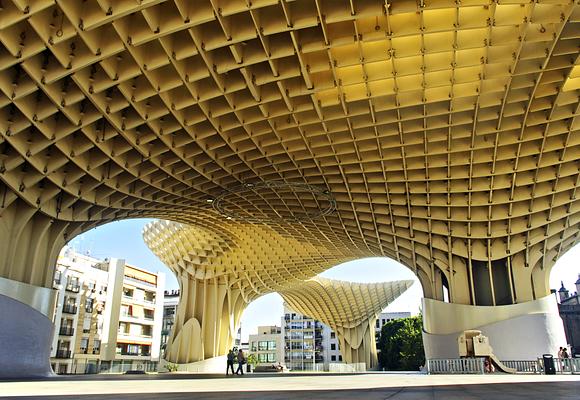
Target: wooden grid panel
(222,270)
(254,259)
(350,309)
(441,128)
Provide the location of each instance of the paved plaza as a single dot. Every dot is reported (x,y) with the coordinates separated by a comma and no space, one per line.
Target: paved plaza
(304,386)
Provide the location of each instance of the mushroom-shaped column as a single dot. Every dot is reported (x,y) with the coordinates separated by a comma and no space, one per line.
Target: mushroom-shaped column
(223,267)
(350,309)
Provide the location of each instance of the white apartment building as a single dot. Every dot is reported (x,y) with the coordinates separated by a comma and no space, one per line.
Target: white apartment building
(267,345)
(385,317)
(108,315)
(312,345)
(302,341)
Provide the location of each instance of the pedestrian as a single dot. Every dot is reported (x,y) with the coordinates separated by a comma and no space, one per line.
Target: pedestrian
(560,352)
(241,362)
(565,353)
(230,358)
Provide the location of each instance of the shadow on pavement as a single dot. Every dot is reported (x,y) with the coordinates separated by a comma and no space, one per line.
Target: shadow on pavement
(504,391)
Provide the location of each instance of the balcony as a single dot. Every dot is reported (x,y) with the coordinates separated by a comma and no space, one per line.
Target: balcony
(69,309)
(62,353)
(73,287)
(66,331)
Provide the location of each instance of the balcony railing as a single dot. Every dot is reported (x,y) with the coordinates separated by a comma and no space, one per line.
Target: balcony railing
(63,353)
(69,309)
(66,331)
(73,287)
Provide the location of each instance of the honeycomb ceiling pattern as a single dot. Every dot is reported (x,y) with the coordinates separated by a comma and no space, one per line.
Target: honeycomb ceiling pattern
(348,308)
(229,268)
(341,304)
(439,127)
(254,259)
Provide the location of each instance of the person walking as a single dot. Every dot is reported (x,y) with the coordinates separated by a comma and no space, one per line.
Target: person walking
(230,358)
(241,362)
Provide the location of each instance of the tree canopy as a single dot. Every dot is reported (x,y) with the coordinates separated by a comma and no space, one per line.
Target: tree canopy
(400,345)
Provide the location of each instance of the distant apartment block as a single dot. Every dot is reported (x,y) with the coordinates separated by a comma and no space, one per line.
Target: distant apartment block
(268,345)
(303,339)
(385,317)
(170,302)
(311,345)
(108,315)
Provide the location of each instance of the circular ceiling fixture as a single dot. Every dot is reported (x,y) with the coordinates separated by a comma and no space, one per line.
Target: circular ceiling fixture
(275,201)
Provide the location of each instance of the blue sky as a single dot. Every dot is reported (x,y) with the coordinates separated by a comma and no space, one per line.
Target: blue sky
(123,239)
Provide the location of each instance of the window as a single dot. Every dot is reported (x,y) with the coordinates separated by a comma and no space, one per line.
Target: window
(332,358)
(262,345)
(146,330)
(133,349)
(271,357)
(377,323)
(254,347)
(123,327)
(89,305)
(73,284)
(271,345)
(84,345)
(126,311)
(150,296)
(332,335)
(333,346)
(339,358)
(262,358)
(148,314)
(296,345)
(87,325)
(127,292)
(96,346)
(57,277)
(145,350)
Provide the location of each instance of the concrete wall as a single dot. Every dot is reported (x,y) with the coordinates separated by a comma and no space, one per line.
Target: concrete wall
(516,332)
(25,340)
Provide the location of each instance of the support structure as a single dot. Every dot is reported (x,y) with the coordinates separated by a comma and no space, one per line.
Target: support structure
(442,135)
(350,309)
(521,331)
(219,278)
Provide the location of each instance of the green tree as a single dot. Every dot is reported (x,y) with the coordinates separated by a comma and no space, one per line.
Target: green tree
(401,345)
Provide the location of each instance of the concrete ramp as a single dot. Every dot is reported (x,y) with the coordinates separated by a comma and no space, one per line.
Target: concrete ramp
(500,366)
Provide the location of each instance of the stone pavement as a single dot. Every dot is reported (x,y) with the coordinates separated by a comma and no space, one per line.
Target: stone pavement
(373,386)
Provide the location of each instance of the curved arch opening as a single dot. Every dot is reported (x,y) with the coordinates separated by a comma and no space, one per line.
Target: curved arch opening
(110,301)
(124,240)
(566,271)
(565,286)
(308,343)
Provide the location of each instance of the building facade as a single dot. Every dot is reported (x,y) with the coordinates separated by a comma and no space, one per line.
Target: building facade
(303,341)
(569,308)
(170,302)
(267,345)
(108,315)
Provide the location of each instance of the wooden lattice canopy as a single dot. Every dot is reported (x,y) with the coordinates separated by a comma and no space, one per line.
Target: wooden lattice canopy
(440,128)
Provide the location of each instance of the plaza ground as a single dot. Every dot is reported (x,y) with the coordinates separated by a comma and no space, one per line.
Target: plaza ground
(393,386)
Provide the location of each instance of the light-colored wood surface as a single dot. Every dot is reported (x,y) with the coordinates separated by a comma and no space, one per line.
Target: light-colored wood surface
(221,272)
